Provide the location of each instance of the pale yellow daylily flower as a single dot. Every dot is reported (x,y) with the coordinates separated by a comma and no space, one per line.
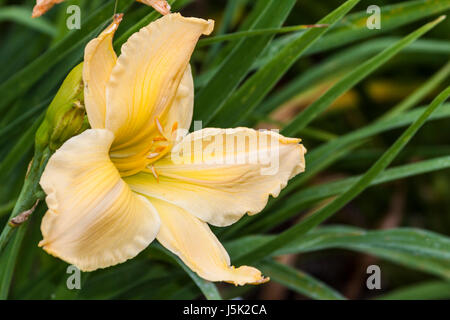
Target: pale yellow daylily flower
(42,6)
(114,188)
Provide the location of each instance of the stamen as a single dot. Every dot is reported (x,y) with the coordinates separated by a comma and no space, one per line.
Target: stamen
(155,174)
(160,149)
(159,138)
(159,126)
(153,155)
(174,127)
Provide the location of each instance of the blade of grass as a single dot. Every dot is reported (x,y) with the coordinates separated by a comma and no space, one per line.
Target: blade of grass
(299,281)
(253,91)
(321,215)
(351,79)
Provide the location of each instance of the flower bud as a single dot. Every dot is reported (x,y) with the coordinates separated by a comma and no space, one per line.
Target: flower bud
(66,115)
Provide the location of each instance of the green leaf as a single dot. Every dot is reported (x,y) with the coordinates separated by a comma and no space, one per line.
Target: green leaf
(20,149)
(231,8)
(321,154)
(15,125)
(253,91)
(113,282)
(418,249)
(23,16)
(238,63)
(324,213)
(430,290)
(354,26)
(75,39)
(351,79)
(208,288)
(7,207)
(251,33)
(8,261)
(342,62)
(320,158)
(421,250)
(306,197)
(299,281)
(137,26)
(420,93)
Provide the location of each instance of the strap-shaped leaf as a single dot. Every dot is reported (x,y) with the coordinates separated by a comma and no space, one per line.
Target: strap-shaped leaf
(253,91)
(351,79)
(418,249)
(25,78)
(238,63)
(342,62)
(299,281)
(354,27)
(322,157)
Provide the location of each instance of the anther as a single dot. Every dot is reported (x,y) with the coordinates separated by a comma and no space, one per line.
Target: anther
(174,127)
(155,174)
(153,155)
(159,126)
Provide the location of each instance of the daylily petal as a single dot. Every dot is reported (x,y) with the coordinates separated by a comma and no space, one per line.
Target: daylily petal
(144,84)
(99,60)
(42,6)
(93,220)
(212,184)
(159,5)
(195,244)
(182,109)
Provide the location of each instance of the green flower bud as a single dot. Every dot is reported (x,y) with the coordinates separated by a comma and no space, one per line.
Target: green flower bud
(66,115)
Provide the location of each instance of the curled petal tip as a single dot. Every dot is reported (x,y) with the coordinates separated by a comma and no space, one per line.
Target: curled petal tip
(42,6)
(262,280)
(117,18)
(159,5)
(36,13)
(209,28)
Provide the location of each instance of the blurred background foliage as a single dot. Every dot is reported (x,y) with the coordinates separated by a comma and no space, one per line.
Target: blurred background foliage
(347,91)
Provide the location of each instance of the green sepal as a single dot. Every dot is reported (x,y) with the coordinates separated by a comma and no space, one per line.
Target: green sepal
(66,115)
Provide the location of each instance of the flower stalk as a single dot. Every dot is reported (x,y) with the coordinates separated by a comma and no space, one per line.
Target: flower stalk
(29,196)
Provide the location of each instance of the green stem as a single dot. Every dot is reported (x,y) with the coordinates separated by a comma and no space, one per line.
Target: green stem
(29,194)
